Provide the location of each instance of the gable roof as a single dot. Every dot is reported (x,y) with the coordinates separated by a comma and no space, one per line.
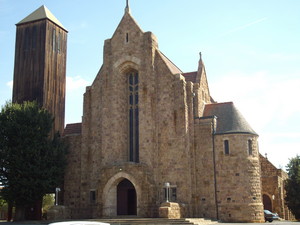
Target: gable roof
(41,13)
(173,68)
(229,119)
(127,20)
(72,129)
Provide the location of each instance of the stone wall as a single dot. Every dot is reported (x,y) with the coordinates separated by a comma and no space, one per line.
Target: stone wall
(205,171)
(238,179)
(72,181)
(273,188)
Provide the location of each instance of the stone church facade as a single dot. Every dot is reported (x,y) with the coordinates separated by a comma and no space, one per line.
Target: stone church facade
(150,133)
(146,123)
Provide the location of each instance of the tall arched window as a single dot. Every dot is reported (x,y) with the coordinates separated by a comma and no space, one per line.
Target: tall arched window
(133,101)
(226,147)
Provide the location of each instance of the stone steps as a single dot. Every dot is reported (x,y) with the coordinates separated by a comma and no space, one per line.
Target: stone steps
(155,221)
(201,221)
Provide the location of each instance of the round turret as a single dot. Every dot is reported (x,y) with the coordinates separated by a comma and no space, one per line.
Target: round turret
(238,187)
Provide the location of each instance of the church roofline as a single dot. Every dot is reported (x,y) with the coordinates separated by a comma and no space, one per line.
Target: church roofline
(173,68)
(230,120)
(126,14)
(190,76)
(41,13)
(72,129)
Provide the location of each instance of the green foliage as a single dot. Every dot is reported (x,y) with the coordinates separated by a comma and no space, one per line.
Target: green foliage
(48,201)
(31,164)
(292,186)
(3,206)
(3,203)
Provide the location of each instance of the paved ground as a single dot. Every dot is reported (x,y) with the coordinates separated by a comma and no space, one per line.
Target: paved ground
(267,223)
(47,222)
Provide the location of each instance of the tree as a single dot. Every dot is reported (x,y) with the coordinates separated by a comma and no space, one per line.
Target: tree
(292,186)
(31,163)
(3,207)
(48,202)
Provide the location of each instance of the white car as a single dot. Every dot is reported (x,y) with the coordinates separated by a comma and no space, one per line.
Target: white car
(79,223)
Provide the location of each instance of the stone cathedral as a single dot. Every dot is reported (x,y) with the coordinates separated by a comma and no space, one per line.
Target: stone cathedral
(146,123)
(152,140)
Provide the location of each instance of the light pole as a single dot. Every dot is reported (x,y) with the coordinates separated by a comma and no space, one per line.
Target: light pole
(56,195)
(167,185)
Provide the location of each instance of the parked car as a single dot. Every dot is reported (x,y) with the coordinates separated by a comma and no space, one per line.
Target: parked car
(269,216)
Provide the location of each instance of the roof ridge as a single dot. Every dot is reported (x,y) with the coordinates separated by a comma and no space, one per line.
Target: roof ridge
(169,61)
(190,72)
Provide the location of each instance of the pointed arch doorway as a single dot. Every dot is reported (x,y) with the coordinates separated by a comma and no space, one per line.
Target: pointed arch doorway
(267,202)
(126,198)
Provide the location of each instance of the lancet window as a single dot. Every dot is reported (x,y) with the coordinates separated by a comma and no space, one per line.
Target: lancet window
(250,147)
(226,147)
(133,101)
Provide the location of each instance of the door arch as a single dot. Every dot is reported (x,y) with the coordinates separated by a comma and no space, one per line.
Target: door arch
(267,202)
(126,198)
(109,194)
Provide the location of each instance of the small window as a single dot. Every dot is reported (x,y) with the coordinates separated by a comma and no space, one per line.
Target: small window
(127,38)
(27,39)
(172,194)
(59,38)
(54,40)
(34,37)
(226,147)
(250,147)
(92,196)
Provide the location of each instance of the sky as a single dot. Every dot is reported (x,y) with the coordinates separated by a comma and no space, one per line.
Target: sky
(250,48)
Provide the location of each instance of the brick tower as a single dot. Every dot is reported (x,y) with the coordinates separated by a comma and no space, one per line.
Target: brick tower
(40,63)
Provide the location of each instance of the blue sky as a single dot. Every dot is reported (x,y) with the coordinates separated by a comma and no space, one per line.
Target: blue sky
(251,50)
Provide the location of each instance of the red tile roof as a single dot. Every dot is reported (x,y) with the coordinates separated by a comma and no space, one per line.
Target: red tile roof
(191,76)
(72,128)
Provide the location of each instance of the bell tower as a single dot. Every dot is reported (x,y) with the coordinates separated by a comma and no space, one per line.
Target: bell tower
(40,63)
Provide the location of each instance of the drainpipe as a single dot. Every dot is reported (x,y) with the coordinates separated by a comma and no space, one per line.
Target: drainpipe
(214,161)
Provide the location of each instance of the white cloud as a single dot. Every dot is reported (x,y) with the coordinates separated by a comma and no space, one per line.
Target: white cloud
(269,105)
(10,84)
(78,26)
(74,98)
(244,26)
(278,153)
(260,97)
(76,83)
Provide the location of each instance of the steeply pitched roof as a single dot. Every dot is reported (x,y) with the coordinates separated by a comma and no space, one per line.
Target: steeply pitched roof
(173,68)
(127,21)
(41,13)
(72,129)
(229,119)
